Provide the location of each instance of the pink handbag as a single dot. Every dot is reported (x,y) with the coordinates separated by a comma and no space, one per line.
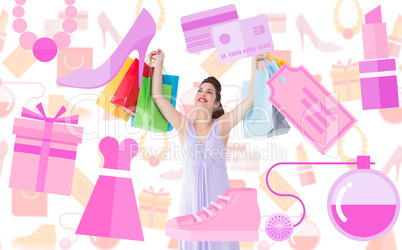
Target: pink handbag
(71,59)
(29,203)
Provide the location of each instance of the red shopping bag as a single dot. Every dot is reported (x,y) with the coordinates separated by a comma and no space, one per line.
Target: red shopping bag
(126,95)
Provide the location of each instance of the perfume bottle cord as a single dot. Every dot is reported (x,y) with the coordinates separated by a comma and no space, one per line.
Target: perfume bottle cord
(301,163)
(69,228)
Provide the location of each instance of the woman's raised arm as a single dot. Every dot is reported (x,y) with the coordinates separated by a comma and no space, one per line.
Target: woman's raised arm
(231,119)
(173,116)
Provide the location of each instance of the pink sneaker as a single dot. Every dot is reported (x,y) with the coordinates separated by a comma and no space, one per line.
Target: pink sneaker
(235,216)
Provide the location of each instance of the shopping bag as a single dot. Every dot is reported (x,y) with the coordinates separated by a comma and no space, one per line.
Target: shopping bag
(281,126)
(174,82)
(148,116)
(169,90)
(126,94)
(109,90)
(28,203)
(259,121)
(71,59)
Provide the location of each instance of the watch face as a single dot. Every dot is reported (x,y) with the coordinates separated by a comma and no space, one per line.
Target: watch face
(363,204)
(279,227)
(104,243)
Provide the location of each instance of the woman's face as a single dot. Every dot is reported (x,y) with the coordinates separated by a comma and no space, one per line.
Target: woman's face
(206,96)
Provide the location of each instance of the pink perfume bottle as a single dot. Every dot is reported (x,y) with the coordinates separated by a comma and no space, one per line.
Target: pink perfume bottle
(363,204)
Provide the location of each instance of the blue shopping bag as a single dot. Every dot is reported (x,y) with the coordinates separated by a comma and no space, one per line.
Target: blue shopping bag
(259,122)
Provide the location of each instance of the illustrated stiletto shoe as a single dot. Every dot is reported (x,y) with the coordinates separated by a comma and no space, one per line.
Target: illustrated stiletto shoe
(3,152)
(395,160)
(106,25)
(138,38)
(304,28)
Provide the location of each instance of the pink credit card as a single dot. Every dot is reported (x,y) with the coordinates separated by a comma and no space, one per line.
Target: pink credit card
(241,39)
(309,107)
(197,27)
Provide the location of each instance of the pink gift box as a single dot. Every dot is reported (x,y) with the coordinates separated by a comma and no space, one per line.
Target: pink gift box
(44,152)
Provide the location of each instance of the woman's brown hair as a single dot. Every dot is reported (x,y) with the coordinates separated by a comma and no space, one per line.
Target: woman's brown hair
(219,110)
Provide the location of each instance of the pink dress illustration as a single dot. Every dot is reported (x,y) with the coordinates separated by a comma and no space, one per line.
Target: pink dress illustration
(112,209)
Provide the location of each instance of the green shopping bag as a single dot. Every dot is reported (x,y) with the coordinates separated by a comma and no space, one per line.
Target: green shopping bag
(147,114)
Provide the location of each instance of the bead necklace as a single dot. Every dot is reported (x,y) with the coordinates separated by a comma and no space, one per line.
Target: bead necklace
(154,160)
(363,151)
(44,49)
(161,19)
(348,32)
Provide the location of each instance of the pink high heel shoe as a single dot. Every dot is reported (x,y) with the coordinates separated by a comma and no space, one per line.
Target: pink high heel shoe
(106,25)
(3,152)
(396,160)
(138,38)
(304,28)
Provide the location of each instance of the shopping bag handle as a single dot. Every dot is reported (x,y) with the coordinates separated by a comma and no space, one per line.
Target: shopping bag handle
(271,57)
(152,61)
(269,69)
(278,61)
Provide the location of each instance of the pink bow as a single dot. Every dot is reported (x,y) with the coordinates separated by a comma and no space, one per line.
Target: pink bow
(151,191)
(42,116)
(340,65)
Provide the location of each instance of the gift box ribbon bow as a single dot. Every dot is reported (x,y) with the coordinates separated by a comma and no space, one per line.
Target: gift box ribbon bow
(340,64)
(346,73)
(151,191)
(46,138)
(42,116)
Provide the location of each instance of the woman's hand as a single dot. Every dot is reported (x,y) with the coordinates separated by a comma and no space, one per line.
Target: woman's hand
(258,58)
(255,60)
(158,55)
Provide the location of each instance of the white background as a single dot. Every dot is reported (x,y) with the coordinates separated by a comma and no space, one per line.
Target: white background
(382,137)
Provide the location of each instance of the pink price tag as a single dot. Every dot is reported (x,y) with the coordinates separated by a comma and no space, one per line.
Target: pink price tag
(309,107)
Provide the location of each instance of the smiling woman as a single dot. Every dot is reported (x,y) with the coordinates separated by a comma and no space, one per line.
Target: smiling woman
(216,87)
(205,175)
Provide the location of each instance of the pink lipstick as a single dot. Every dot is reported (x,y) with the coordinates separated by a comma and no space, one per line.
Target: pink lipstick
(378,80)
